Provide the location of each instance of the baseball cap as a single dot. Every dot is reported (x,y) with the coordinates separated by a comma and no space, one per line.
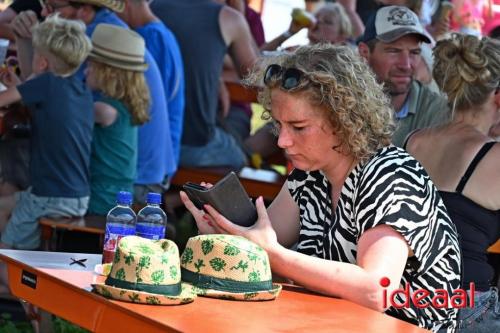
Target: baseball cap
(393,22)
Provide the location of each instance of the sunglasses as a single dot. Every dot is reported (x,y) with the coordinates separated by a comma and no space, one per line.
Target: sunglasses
(290,77)
(51,7)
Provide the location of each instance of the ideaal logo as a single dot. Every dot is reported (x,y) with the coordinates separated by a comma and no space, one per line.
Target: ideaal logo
(440,299)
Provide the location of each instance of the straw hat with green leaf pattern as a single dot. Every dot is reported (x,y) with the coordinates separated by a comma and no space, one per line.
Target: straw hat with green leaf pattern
(229,267)
(146,271)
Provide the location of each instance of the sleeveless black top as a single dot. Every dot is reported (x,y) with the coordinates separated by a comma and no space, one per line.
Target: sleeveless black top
(477,227)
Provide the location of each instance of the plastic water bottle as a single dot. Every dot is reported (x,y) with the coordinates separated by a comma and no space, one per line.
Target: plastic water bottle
(120,222)
(151,220)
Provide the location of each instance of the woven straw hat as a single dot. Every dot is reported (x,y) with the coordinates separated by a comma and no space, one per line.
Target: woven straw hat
(118,47)
(114,5)
(146,271)
(229,267)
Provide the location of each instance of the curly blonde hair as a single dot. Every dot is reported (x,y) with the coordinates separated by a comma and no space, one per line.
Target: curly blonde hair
(467,69)
(125,85)
(340,81)
(63,42)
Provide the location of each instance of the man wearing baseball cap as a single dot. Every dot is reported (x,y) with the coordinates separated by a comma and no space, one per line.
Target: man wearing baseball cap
(391,46)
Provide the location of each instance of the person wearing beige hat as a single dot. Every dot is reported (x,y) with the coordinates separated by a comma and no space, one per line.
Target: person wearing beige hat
(163,46)
(116,71)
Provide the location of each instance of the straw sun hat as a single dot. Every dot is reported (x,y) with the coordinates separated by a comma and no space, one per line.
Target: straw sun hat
(118,47)
(229,267)
(146,271)
(114,5)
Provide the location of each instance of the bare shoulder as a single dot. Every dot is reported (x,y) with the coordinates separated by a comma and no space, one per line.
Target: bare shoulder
(230,15)
(483,186)
(231,22)
(104,113)
(105,107)
(421,139)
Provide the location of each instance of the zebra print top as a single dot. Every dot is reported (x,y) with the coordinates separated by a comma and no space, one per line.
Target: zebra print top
(391,188)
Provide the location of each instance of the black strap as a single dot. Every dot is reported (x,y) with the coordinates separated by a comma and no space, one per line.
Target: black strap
(405,143)
(472,166)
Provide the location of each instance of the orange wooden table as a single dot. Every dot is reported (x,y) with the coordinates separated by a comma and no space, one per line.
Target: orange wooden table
(47,280)
(495,248)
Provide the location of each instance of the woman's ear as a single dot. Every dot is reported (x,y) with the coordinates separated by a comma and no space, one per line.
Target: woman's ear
(43,63)
(364,50)
(497,96)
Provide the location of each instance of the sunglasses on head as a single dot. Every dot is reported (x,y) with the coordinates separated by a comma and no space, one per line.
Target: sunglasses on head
(290,77)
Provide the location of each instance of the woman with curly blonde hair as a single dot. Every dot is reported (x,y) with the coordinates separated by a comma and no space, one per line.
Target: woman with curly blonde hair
(116,72)
(356,209)
(462,159)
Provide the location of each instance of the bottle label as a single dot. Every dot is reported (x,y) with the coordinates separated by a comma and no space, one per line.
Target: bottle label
(111,238)
(154,232)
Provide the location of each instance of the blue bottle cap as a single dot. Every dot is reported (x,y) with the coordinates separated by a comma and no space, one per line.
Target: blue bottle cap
(154,198)
(124,198)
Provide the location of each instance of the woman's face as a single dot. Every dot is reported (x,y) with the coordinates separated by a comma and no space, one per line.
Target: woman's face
(305,133)
(327,29)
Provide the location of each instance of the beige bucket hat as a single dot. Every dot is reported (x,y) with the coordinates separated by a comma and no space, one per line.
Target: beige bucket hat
(118,47)
(229,267)
(146,271)
(114,5)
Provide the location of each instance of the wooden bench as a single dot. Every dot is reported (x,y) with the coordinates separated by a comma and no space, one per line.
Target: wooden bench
(240,93)
(51,226)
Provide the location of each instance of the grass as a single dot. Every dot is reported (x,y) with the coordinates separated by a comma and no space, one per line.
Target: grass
(7,325)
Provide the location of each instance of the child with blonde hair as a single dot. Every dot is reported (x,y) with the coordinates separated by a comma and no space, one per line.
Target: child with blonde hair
(115,70)
(62,121)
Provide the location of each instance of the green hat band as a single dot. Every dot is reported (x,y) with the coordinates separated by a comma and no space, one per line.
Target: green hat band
(170,290)
(210,282)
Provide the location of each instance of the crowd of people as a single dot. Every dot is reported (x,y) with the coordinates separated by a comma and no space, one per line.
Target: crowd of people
(389,119)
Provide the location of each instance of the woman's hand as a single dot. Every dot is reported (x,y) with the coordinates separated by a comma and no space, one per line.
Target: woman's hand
(261,233)
(203,222)
(9,77)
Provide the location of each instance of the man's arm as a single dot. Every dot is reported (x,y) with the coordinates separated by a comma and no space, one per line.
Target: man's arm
(236,34)
(6,16)
(9,96)
(21,26)
(357,24)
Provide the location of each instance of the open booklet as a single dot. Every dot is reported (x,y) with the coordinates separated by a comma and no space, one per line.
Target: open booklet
(227,196)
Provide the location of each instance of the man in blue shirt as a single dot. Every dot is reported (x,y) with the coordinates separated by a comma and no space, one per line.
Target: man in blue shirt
(163,46)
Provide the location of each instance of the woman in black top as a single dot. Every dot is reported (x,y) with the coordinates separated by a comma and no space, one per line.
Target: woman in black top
(462,160)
